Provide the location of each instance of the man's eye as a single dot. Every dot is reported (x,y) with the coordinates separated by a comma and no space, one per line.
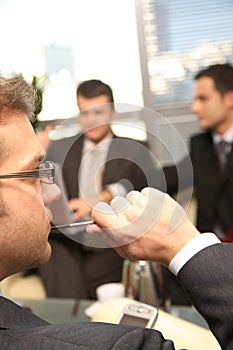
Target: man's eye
(99,112)
(83,114)
(202,98)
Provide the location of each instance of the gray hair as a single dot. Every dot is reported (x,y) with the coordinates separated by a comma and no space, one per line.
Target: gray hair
(16,95)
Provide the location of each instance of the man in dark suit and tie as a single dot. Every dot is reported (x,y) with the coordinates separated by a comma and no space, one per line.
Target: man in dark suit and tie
(212,167)
(211,152)
(96,165)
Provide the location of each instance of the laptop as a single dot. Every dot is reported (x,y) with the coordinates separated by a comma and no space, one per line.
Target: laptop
(62,214)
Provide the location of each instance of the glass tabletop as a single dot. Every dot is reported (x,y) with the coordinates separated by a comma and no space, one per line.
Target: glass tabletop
(62,310)
(58,310)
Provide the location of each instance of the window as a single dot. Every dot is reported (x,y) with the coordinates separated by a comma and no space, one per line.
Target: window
(177,38)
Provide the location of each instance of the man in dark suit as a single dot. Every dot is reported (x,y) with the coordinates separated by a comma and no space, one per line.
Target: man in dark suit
(212,166)
(77,268)
(26,189)
(212,180)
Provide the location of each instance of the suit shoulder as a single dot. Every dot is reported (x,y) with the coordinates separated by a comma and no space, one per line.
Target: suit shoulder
(200,138)
(130,140)
(57,148)
(66,141)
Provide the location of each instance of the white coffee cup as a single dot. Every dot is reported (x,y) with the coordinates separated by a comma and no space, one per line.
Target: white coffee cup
(110,291)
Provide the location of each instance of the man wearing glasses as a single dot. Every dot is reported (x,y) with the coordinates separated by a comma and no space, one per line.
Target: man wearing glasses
(26,188)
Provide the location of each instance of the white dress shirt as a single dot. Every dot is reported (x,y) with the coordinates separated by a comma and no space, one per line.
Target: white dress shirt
(117,189)
(227,137)
(190,249)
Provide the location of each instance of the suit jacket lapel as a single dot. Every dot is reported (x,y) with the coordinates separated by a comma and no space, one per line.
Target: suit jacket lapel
(229,169)
(14,316)
(210,160)
(71,166)
(111,155)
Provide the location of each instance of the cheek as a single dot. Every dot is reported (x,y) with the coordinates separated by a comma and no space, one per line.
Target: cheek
(216,108)
(2,207)
(24,200)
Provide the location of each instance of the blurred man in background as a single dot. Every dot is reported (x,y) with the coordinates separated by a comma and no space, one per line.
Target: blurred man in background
(211,151)
(96,165)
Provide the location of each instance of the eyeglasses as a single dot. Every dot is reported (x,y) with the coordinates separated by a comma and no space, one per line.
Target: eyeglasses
(45,172)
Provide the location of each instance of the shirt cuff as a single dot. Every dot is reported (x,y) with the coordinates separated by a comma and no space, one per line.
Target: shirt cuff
(117,189)
(190,249)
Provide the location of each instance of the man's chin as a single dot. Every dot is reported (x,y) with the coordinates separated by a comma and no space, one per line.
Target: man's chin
(94,137)
(204,125)
(45,256)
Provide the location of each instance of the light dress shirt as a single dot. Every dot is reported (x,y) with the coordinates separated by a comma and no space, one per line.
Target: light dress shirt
(190,249)
(227,137)
(117,189)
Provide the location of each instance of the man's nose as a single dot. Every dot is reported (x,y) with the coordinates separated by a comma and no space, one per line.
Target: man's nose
(50,192)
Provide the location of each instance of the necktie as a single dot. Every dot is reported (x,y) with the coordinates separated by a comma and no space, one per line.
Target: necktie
(90,186)
(223,149)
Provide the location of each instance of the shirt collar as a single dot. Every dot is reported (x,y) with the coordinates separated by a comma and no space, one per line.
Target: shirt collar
(227,137)
(90,145)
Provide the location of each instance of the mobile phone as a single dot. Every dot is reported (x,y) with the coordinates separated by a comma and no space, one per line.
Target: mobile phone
(138,314)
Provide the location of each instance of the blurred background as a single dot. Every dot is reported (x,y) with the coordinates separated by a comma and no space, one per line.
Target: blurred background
(147,50)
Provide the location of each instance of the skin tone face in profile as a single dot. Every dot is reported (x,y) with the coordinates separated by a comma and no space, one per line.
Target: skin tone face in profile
(95,115)
(25,221)
(213,110)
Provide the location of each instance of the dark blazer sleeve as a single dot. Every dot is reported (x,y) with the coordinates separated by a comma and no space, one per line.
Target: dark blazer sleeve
(86,336)
(20,329)
(208,280)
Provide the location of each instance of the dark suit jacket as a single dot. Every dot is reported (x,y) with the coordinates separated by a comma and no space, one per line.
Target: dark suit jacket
(207,277)
(127,159)
(21,330)
(208,280)
(214,195)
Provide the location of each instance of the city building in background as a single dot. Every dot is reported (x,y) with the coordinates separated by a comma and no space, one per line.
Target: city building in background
(176,39)
(147,50)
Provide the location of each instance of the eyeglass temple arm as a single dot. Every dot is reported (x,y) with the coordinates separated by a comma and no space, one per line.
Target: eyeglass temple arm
(20,175)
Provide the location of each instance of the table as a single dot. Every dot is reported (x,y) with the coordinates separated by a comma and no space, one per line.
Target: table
(58,310)
(61,310)
(184,333)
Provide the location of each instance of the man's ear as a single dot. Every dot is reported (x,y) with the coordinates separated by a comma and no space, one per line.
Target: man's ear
(229,99)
